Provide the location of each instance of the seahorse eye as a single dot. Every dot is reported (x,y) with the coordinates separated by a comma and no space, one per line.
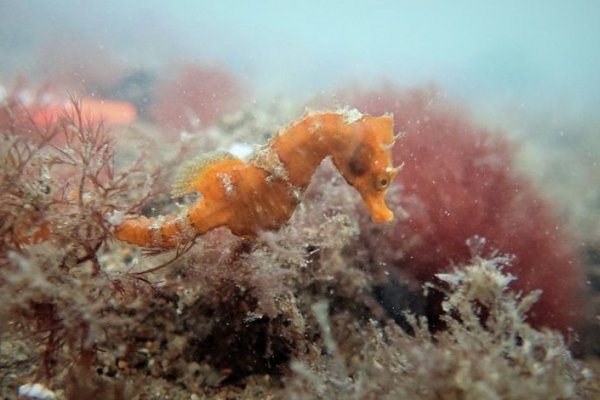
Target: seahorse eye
(382,182)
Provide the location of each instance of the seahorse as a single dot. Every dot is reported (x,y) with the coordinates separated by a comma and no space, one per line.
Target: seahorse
(262,194)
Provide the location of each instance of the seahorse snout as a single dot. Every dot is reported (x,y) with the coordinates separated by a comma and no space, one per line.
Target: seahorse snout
(380,212)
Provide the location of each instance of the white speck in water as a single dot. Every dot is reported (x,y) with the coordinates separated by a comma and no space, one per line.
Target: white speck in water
(185,136)
(35,391)
(115,218)
(241,150)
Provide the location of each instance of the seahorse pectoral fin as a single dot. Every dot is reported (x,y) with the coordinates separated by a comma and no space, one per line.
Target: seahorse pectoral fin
(380,212)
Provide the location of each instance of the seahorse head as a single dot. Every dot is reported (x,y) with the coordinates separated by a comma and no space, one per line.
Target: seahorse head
(366,163)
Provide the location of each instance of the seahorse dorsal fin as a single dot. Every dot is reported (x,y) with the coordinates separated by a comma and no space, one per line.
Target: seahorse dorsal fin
(195,170)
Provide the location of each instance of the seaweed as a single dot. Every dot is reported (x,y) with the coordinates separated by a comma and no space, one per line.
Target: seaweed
(487,351)
(288,314)
(461,180)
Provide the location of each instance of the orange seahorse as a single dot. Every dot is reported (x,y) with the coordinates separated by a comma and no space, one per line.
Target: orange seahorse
(263,193)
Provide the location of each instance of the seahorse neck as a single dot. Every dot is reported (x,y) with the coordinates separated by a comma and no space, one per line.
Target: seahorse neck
(303,146)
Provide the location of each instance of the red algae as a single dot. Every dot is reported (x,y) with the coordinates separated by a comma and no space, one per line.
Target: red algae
(194,97)
(460,181)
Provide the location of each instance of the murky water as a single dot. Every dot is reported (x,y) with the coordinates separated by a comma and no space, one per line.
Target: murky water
(114,286)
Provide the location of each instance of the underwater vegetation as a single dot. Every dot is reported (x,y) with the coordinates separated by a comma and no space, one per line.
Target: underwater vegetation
(462,181)
(286,312)
(500,357)
(32,109)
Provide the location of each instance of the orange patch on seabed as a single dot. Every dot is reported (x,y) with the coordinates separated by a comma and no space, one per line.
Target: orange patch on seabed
(110,112)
